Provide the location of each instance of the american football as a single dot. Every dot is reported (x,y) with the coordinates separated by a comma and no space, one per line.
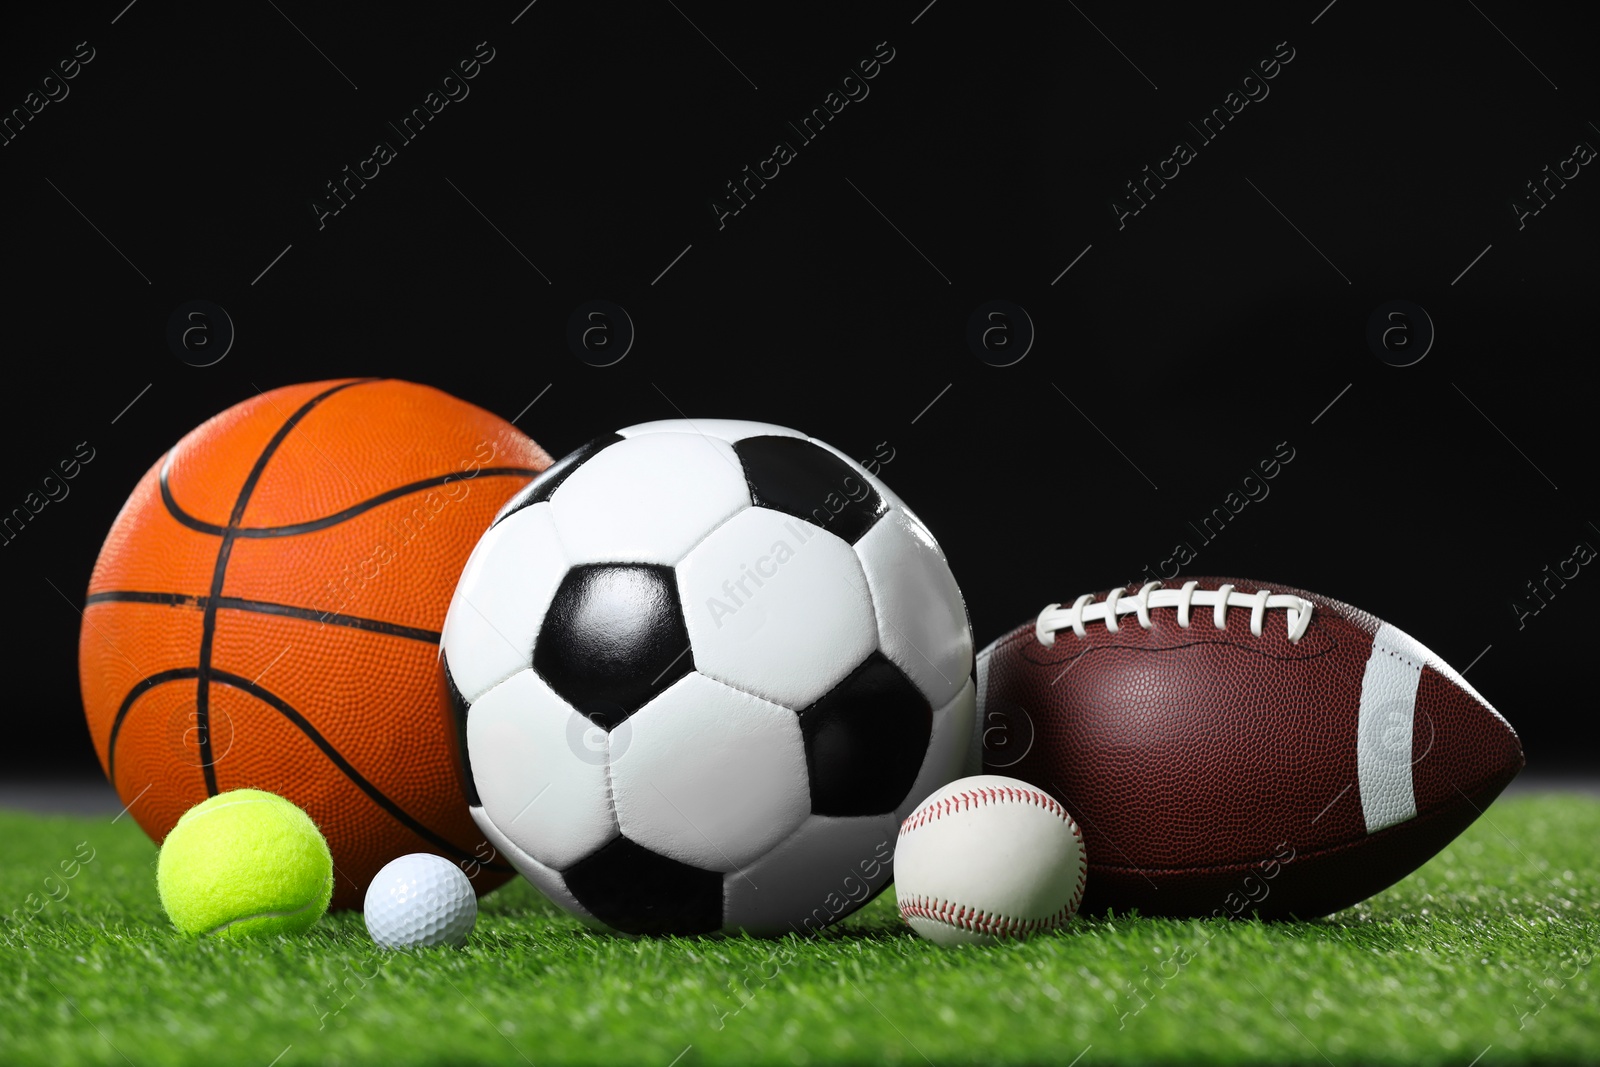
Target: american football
(1233,747)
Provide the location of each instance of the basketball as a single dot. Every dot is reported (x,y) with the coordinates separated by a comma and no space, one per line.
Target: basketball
(265,614)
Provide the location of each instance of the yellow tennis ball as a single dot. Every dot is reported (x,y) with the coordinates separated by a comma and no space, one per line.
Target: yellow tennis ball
(244,863)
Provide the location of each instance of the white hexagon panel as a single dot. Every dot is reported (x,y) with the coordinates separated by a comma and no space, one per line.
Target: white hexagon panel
(545,793)
(667,801)
(776,607)
(922,621)
(500,600)
(649,499)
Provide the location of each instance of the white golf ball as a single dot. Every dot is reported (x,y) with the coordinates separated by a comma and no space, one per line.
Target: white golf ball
(420,900)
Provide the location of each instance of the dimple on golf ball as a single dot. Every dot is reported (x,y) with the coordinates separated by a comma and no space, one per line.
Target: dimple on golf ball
(420,900)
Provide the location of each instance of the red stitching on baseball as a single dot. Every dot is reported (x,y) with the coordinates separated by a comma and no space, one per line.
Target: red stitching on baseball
(989,794)
(983,922)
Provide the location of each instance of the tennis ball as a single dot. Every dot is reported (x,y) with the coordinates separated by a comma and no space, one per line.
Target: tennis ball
(242,864)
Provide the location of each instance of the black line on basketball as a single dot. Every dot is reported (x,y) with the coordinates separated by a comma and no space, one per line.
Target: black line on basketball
(183,517)
(208,626)
(265,607)
(382,498)
(288,711)
(134,596)
(144,685)
(355,622)
(135,691)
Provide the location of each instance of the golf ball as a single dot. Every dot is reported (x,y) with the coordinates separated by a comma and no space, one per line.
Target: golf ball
(420,900)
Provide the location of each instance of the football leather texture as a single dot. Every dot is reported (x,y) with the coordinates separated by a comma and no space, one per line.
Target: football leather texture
(1240,769)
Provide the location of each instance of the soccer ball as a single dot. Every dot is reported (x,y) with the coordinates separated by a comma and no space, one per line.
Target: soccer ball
(701,670)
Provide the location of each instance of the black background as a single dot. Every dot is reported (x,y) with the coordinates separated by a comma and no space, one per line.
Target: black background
(1176,353)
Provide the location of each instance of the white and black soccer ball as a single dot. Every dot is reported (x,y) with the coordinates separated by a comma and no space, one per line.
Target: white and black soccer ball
(701,670)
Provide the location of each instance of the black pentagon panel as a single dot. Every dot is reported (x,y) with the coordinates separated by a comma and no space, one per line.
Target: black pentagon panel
(458,712)
(866,740)
(792,475)
(551,477)
(630,888)
(613,638)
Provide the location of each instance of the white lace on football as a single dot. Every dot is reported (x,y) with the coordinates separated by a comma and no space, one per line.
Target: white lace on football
(1084,610)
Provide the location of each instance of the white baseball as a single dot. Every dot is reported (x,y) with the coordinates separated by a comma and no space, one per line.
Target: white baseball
(988,858)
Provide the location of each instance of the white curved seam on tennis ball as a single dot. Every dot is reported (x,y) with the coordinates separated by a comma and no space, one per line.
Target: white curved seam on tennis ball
(191,814)
(265,915)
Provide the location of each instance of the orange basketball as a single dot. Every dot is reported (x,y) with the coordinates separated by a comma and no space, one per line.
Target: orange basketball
(266,610)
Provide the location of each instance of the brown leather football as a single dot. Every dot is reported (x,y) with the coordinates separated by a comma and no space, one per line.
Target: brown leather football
(1232,747)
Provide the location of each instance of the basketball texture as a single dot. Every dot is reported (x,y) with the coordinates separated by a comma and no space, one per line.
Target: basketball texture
(265,614)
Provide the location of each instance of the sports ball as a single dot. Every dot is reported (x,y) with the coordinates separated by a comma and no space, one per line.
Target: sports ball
(266,610)
(986,859)
(244,864)
(418,901)
(702,670)
(1233,747)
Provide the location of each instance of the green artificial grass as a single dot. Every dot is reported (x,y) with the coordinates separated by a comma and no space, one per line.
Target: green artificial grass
(1485,953)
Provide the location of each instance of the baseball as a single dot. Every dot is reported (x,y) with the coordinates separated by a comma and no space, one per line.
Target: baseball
(988,858)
